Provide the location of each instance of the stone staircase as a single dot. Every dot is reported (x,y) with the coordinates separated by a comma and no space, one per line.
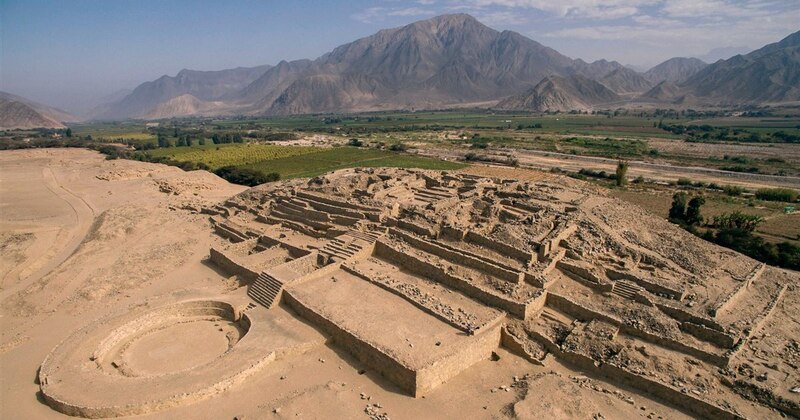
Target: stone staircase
(508,213)
(548,315)
(364,236)
(260,247)
(431,195)
(340,250)
(265,290)
(626,289)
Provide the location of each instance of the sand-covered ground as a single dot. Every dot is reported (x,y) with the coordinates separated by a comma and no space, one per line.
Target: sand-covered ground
(83,237)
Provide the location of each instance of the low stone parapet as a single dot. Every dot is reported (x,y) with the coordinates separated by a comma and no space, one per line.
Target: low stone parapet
(228,264)
(521,310)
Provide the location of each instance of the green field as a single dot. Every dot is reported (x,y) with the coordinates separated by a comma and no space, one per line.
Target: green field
(326,160)
(633,126)
(217,156)
(129,130)
(298,162)
(660,136)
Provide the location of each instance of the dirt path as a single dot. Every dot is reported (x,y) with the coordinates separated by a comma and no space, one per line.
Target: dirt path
(84,215)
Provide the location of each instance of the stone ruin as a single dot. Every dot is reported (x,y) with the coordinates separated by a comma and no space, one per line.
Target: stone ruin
(421,274)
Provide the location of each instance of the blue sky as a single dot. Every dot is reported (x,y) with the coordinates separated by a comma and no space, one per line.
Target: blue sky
(70,53)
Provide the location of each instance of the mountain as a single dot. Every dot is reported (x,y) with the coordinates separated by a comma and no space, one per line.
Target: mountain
(203,85)
(595,69)
(556,93)
(663,92)
(185,106)
(102,105)
(637,68)
(443,61)
(22,113)
(450,60)
(114,97)
(769,74)
(624,80)
(675,70)
(264,90)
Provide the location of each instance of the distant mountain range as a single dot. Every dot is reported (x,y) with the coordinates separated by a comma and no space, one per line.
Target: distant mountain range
(453,61)
(768,75)
(556,93)
(149,97)
(17,112)
(674,70)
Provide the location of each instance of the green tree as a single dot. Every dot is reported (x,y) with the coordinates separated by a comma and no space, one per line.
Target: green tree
(162,141)
(737,220)
(246,176)
(693,215)
(68,132)
(677,212)
(622,173)
(777,194)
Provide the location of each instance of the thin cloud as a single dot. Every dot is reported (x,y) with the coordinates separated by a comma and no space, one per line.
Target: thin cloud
(411,11)
(611,9)
(500,18)
(378,14)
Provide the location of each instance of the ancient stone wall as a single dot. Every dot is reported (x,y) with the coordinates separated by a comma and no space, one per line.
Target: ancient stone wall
(292,225)
(685,316)
(300,211)
(228,264)
(333,202)
(649,285)
(584,275)
(452,233)
(731,298)
(653,387)
(515,346)
(424,268)
(711,335)
(299,217)
(458,257)
(227,231)
(412,227)
(576,310)
(504,249)
(552,240)
(372,356)
(294,251)
(480,347)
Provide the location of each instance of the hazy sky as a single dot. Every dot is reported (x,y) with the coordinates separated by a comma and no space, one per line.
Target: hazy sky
(69,53)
